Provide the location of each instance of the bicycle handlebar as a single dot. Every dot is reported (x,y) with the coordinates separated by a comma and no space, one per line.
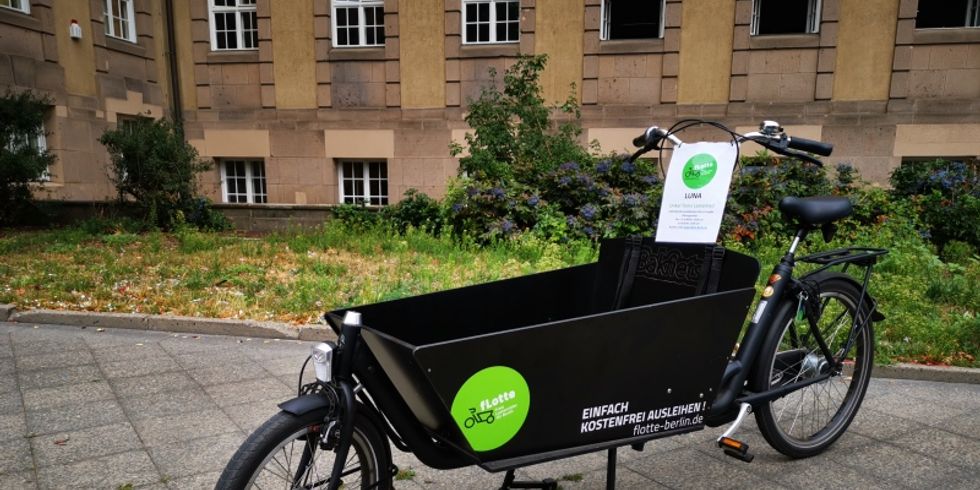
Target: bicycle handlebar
(772,138)
(812,146)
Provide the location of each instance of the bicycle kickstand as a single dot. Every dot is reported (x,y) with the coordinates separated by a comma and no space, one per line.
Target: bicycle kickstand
(509,483)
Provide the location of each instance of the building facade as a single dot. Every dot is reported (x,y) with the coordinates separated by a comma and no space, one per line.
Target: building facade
(309,102)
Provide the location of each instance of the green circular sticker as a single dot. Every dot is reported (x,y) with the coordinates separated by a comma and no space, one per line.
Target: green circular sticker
(699,170)
(491,406)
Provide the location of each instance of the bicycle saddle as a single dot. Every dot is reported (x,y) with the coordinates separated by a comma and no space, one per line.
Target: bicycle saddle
(815,211)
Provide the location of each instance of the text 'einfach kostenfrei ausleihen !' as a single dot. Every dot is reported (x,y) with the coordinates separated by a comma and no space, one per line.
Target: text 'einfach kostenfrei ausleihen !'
(614,415)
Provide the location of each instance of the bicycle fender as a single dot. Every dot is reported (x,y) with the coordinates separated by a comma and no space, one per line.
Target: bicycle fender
(305,404)
(876,315)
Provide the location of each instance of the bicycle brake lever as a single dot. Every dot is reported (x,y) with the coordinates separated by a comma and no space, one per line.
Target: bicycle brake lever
(803,156)
(642,151)
(779,146)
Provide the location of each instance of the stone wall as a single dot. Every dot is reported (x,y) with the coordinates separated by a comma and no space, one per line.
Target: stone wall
(868,81)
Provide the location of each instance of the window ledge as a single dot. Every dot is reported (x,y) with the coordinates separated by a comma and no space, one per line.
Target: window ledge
(273,206)
(124,46)
(948,35)
(617,46)
(20,19)
(769,41)
(234,56)
(356,53)
(489,50)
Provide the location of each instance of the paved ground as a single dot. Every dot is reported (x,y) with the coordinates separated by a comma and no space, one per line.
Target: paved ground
(87,409)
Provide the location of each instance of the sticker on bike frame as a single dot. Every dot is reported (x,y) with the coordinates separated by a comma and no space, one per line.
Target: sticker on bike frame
(758,311)
(491,406)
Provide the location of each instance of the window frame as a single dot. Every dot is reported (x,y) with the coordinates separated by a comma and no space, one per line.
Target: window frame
(493,22)
(360,5)
(813,18)
(971,18)
(42,145)
(25,7)
(238,10)
(108,13)
(383,199)
(605,22)
(250,177)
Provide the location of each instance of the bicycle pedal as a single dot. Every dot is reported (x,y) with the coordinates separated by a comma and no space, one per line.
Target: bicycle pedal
(736,449)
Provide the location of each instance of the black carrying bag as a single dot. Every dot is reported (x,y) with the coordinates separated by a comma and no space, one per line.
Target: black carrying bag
(659,271)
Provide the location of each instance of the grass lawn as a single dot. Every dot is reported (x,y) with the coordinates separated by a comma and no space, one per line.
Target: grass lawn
(932,307)
(291,277)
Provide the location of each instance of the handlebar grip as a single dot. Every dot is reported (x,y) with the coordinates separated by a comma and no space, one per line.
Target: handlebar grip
(650,137)
(812,146)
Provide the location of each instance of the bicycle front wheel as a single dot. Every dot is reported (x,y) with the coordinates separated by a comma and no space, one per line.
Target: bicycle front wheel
(285,452)
(807,421)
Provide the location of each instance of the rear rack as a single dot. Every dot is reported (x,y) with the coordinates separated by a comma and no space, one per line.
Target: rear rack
(863,256)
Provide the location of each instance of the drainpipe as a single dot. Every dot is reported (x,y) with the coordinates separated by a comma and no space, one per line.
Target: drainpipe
(177,109)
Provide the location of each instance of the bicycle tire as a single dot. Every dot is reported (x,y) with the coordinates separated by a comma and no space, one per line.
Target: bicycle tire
(789,357)
(253,462)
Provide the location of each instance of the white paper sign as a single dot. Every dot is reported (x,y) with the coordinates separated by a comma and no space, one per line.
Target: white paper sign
(695,192)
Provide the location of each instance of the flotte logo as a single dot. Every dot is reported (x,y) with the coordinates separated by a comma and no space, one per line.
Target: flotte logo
(491,406)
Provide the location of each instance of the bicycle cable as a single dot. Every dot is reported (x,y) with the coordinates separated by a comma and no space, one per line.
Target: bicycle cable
(688,123)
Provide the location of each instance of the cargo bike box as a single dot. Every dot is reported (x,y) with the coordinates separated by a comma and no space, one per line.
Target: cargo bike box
(520,371)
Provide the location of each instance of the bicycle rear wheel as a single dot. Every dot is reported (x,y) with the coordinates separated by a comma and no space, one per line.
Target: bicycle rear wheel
(285,452)
(807,421)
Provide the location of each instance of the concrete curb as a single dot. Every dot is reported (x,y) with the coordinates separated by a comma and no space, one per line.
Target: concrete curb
(945,374)
(6,311)
(273,330)
(181,324)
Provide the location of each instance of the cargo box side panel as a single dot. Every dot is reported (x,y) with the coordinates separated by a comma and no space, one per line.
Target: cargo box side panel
(483,308)
(642,371)
(398,364)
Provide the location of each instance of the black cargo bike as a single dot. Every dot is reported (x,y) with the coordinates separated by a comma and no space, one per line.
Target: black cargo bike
(637,346)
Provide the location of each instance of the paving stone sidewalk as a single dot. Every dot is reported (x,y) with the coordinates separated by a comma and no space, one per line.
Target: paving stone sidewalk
(81,408)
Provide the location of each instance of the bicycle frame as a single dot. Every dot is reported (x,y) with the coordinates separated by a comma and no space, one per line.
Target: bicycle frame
(361,386)
(781,285)
(784,287)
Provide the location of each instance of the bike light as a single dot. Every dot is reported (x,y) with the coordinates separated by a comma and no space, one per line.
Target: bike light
(322,361)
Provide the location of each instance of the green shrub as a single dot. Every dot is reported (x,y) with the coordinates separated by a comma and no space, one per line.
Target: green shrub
(153,165)
(357,216)
(416,210)
(528,172)
(514,136)
(957,252)
(948,195)
(22,162)
(757,186)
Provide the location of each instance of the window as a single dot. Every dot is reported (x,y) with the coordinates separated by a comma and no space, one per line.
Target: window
(234,25)
(358,23)
(948,13)
(120,21)
(19,5)
(39,143)
(244,181)
(785,17)
(493,21)
(363,182)
(632,19)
